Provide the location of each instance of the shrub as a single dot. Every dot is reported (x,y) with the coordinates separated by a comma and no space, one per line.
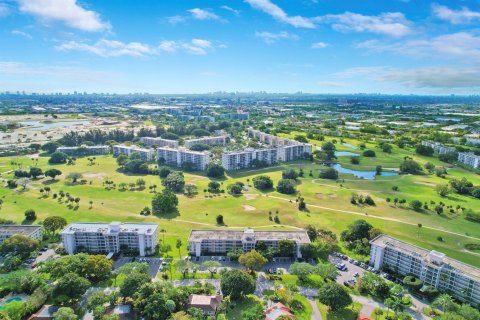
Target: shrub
(263,182)
(329,173)
(369,153)
(287,186)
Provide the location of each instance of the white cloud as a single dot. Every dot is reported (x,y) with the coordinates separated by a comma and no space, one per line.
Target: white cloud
(390,23)
(319,45)
(451,46)
(65,11)
(22,34)
(464,15)
(202,14)
(111,48)
(333,84)
(442,77)
(4,10)
(270,37)
(234,11)
(174,20)
(278,13)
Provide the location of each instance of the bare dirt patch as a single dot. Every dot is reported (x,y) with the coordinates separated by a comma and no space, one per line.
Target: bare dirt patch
(251,196)
(332,195)
(320,195)
(95,175)
(247,207)
(424,183)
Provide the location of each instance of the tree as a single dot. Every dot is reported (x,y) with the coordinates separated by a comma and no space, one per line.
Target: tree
(181,315)
(35,172)
(213,186)
(65,313)
(200,147)
(301,269)
(416,205)
(190,189)
(51,146)
(378,170)
(290,174)
(369,153)
(52,173)
(237,284)
(328,151)
(122,159)
(214,170)
(133,282)
(410,166)
(235,188)
(357,230)
(285,248)
(334,296)
(30,215)
(424,150)
(174,182)
(211,266)
(163,172)
(287,186)
(98,267)
(263,182)
(57,158)
(444,301)
(164,202)
(23,182)
(252,261)
(74,176)
(200,132)
(329,173)
(178,245)
(54,223)
(443,190)
(70,287)
(355,160)
(131,267)
(220,220)
(170,304)
(140,183)
(19,245)
(301,138)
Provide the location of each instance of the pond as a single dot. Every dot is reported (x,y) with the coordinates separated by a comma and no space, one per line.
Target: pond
(351,146)
(368,175)
(38,125)
(345,154)
(7,301)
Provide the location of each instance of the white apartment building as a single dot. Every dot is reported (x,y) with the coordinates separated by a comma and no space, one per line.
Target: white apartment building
(206,242)
(84,150)
(159,142)
(438,147)
(211,141)
(176,157)
(145,154)
(110,237)
(432,267)
(31,231)
(241,159)
(470,159)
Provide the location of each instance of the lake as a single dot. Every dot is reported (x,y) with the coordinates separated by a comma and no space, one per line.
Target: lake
(38,125)
(345,154)
(367,175)
(351,146)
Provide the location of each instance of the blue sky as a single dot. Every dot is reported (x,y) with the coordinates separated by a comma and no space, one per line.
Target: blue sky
(180,46)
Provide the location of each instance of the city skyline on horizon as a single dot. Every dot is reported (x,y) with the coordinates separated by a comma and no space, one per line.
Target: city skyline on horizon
(274,46)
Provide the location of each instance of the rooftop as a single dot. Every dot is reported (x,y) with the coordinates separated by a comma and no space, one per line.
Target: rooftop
(204,301)
(112,227)
(299,236)
(426,255)
(26,230)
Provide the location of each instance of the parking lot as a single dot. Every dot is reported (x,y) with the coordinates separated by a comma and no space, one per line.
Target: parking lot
(154,264)
(276,263)
(351,269)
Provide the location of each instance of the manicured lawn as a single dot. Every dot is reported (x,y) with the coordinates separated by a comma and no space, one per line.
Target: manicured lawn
(349,313)
(248,302)
(328,202)
(301,307)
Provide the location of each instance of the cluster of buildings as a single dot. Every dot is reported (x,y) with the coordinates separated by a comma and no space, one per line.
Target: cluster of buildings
(145,154)
(432,267)
(220,140)
(85,150)
(235,116)
(467,158)
(208,242)
(110,237)
(159,142)
(31,231)
(276,149)
(179,156)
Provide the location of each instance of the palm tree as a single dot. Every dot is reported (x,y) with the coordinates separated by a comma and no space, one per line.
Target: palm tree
(419,227)
(444,300)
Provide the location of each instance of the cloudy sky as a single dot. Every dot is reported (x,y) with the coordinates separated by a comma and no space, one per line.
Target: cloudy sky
(181,46)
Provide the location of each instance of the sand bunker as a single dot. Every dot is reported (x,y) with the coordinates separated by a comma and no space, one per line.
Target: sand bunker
(247,207)
(425,183)
(95,175)
(251,196)
(320,195)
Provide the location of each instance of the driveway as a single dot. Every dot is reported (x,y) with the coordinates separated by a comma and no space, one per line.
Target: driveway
(316,315)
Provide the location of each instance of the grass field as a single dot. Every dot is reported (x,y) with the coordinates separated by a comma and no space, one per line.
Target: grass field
(328,202)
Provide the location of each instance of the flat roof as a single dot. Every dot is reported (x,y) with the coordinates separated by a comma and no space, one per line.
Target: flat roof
(384,241)
(299,236)
(143,228)
(11,229)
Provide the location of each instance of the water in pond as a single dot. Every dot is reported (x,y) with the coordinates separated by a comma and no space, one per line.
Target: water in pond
(345,154)
(368,175)
(351,146)
(38,125)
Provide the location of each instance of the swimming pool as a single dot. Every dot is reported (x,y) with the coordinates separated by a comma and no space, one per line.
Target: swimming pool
(12,299)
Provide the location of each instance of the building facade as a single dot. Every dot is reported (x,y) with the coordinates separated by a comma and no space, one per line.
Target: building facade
(470,159)
(235,116)
(85,150)
(438,147)
(110,237)
(211,141)
(205,242)
(159,142)
(177,157)
(145,154)
(242,159)
(432,267)
(31,231)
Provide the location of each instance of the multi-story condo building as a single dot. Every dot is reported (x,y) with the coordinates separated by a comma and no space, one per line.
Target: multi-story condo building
(211,141)
(84,150)
(159,142)
(31,231)
(235,116)
(438,147)
(145,154)
(432,267)
(470,159)
(205,242)
(177,157)
(110,237)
